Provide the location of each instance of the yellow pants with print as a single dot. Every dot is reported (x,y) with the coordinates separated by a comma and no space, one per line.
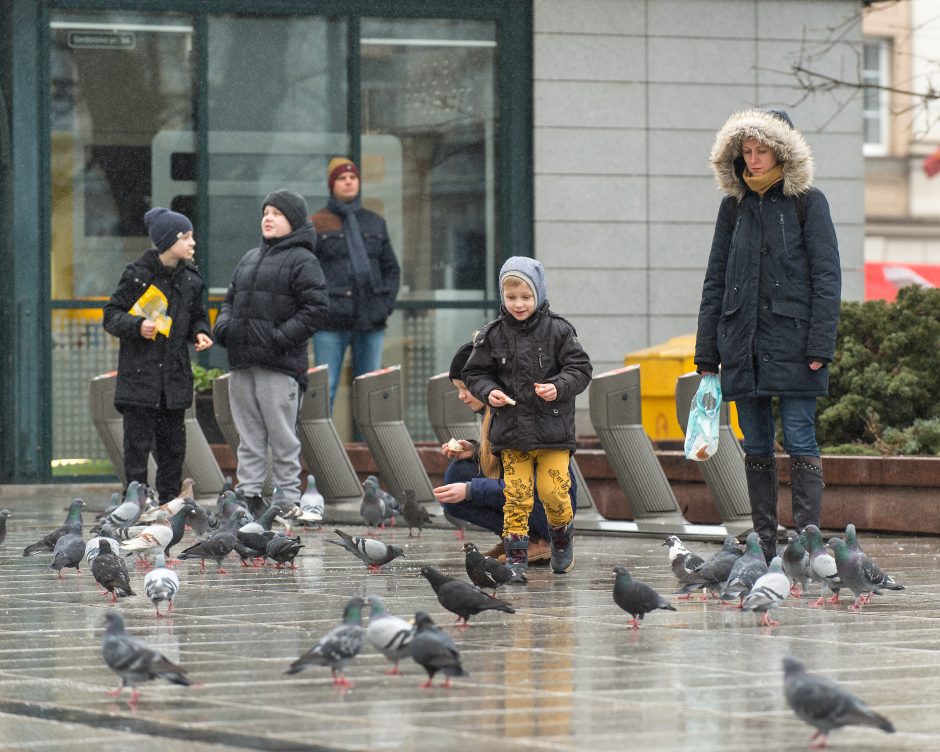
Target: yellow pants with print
(523,472)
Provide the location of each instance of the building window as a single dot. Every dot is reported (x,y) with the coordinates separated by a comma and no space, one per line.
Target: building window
(876,99)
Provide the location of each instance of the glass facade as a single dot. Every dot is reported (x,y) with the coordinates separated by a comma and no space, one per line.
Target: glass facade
(137,98)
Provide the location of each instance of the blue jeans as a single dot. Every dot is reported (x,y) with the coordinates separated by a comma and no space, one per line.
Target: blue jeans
(798,415)
(329,349)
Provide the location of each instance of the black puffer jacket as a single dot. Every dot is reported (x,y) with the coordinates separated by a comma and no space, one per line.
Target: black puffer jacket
(512,356)
(348,309)
(147,368)
(770,301)
(276,301)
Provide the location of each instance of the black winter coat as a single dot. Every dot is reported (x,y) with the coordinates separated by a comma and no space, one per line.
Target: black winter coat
(147,368)
(276,301)
(512,356)
(350,311)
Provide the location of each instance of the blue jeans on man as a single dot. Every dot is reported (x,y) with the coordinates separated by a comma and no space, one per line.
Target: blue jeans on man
(329,349)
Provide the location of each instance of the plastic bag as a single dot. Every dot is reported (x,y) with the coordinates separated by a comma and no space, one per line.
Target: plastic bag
(152,305)
(701,434)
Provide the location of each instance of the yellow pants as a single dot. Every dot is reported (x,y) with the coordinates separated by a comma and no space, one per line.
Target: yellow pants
(523,472)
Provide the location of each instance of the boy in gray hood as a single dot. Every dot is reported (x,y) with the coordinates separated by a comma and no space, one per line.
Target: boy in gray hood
(529,366)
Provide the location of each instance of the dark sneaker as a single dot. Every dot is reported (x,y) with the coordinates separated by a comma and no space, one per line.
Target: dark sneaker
(562,548)
(517,557)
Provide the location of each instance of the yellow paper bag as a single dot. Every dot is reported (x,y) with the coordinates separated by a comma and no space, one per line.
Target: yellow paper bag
(152,305)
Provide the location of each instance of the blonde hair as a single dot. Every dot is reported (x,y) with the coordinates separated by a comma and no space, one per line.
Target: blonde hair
(489,462)
(512,282)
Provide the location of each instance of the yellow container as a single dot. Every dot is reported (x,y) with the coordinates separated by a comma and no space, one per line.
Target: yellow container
(660,366)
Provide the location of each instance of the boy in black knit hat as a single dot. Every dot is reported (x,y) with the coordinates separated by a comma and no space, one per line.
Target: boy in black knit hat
(275,302)
(156,311)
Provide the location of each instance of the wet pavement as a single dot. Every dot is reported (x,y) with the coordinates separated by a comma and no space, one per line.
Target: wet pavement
(563,673)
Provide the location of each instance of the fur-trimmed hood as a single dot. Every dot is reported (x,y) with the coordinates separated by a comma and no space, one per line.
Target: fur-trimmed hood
(769,127)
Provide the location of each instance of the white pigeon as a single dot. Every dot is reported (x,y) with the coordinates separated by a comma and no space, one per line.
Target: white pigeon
(311,502)
(768,592)
(388,634)
(152,539)
(161,584)
(91,548)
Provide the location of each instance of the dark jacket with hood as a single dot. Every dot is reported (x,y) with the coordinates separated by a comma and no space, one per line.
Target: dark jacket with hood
(353,309)
(512,356)
(276,300)
(770,301)
(147,368)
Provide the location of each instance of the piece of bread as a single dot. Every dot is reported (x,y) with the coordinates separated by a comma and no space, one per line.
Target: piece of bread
(510,401)
(454,446)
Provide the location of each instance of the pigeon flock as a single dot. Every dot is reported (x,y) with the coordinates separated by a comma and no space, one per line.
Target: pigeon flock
(135,532)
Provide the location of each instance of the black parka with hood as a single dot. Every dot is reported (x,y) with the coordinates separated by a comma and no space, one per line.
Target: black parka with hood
(772,290)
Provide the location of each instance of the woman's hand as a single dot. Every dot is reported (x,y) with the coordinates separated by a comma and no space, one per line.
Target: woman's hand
(815,365)
(465,453)
(452,493)
(547,392)
(203,342)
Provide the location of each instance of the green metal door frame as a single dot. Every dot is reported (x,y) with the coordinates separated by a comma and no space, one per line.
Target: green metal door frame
(25,379)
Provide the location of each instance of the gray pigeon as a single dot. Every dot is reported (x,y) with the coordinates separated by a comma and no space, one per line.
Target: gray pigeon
(825,705)
(110,572)
(415,513)
(768,592)
(853,574)
(127,512)
(461,597)
(714,571)
(72,524)
(388,634)
(133,660)
(68,552)
(487,572)
(822,567)
(682,561)
(93,545)
(434,650)
(338,646)
(4,513)
(372,552)
(218,545)
(460,526)
(636,598)
(161,584)
(377,506)
(283,550)
(872,571)
(745,571)
(796,564)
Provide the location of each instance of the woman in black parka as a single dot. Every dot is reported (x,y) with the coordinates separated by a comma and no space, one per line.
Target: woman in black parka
(770,305)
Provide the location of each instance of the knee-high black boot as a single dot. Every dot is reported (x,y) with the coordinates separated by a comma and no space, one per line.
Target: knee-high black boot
(761,474)
(806,490)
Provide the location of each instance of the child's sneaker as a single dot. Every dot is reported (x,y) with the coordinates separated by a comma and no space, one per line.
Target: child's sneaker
(517,557)
(562,548)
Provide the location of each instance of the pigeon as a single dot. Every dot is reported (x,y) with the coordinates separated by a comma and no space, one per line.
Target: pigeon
(92,547)
(72,524)
(460,526)
(770,589)
(112,505)
(372,552)
(487,572)
(388,634)
(68,552)
(822,567)
(161,584)
(745,570)
(283,550)
(153,539)
(636,598)
(172,506)
(178,522)
(462,598)
(872,571)
(312,503)
(263,523)
(714,571)
(4,513)
(796,564)
(127,512)
(110,572)
(434,650)
(415,513)
(825,705)
(133,660)
(374,507)
(202,521)
(681,560)
(218,545)
(228,504)
(338,646)
(254,554)
(853,573)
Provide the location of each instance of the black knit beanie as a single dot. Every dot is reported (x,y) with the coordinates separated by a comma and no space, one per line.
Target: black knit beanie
(460,360)
(165,227)
(291,205)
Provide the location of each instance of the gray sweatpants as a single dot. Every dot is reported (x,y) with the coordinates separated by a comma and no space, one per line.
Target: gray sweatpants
(265,407)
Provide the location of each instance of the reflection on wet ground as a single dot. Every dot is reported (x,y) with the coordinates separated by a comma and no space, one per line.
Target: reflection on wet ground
(563,673)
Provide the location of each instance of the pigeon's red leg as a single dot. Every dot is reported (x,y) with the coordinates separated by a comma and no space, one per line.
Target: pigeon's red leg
(686,597)
(634,623)
(135,695)
(796,591)
(833,599)
(766,621)
(818,603)
(115,692)
(373,569)
(393,671)
(446,684)
(426,685)
(222,571)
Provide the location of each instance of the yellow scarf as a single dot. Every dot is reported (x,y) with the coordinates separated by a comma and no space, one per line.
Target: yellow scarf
(760,184)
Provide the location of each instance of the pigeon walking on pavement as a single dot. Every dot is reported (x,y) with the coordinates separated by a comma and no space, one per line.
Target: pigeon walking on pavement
(822,567)
(745,570)
(282,549)
(161,584)
(388,634)
(854,575)
(172,506)
(824,704)
(68,553)
(682,561)
(152,539)
(796,564)
(713,572)
(487,572)
(110,572)
(312,504)
(218,545)
(372,552)
(338,646)
(872,571)
(128,511)
(461,597)
(377,506)
(636,598)
(415,513)
(134,661)
(434,650)
(72,525)
(768,592)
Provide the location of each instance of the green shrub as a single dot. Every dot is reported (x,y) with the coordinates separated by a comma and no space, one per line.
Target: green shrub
(203,377)
(884,384)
